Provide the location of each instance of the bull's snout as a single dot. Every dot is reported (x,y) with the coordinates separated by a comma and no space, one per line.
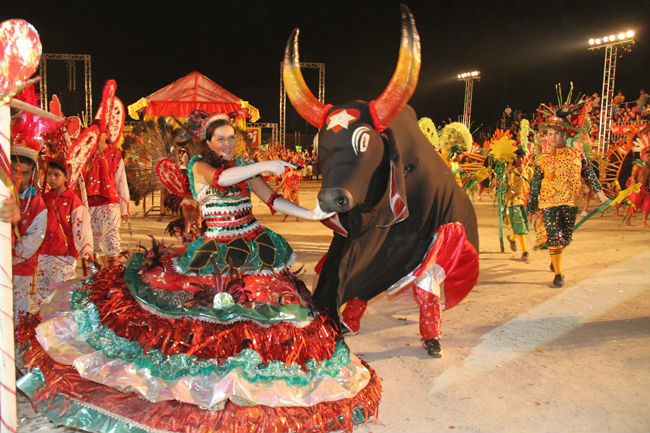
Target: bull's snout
(335,200)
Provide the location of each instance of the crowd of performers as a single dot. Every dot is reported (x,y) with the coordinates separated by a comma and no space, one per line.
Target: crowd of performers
(278,361)
(219,336)
(55,227)
(540,174)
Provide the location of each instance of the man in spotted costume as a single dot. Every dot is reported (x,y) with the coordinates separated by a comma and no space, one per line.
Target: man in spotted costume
(556,185)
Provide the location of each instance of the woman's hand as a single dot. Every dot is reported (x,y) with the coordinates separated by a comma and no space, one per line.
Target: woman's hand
(275,166)
(317,214)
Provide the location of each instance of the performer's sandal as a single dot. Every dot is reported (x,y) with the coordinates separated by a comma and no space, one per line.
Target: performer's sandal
(432,347)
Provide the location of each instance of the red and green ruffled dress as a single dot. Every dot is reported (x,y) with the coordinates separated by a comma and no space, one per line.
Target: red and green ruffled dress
(156,345)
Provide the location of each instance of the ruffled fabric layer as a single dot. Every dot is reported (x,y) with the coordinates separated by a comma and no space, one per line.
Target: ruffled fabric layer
(77,338)
(106,359)
(174,329)
(61,394)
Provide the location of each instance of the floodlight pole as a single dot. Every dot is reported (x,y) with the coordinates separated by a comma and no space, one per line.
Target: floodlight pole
(467,109)
(605,119)
(468,78)
(611,45)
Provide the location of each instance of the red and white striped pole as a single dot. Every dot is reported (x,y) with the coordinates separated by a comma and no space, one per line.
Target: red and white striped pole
(21,52)
(8,411)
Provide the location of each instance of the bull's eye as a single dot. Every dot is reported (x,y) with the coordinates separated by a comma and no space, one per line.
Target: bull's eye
(360,139)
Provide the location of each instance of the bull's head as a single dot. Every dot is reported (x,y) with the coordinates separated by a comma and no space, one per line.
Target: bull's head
(353,154)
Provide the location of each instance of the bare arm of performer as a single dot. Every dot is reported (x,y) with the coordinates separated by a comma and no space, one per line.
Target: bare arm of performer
(205,175)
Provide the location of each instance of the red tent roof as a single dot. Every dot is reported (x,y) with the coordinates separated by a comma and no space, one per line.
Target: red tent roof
(194,91)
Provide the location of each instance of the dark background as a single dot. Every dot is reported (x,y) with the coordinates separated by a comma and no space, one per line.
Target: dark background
(522,49)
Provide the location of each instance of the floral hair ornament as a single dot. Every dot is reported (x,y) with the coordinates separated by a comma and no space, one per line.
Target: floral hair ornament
(208,121)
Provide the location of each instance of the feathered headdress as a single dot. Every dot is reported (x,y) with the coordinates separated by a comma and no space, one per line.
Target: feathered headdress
(28,131)
(430,131)
(568,117)
(111,114)
(149,143)
(454,139)
(70,151)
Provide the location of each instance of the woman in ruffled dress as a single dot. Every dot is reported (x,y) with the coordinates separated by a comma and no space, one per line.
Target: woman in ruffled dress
(222,337)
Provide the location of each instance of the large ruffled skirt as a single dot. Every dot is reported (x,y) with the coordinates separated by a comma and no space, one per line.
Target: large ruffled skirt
(117,354)
(265,252)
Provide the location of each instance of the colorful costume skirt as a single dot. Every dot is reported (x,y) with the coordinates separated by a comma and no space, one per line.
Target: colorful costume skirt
(263,253)
(237,353)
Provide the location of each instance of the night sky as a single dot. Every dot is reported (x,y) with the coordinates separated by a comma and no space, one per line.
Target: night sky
(521,48)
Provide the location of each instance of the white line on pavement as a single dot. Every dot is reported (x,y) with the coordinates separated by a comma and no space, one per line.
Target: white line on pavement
(546,322)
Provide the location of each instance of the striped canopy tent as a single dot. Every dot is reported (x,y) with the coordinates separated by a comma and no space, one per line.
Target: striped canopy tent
(192,92)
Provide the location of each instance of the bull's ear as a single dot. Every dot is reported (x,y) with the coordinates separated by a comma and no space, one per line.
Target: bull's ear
(396,183)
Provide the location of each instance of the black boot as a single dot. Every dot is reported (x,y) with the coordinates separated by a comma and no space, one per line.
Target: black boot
(558,281)
(433,347)
(513,244)
(525,256)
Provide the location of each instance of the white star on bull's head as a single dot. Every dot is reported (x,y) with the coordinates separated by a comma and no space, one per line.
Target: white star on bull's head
(342,118)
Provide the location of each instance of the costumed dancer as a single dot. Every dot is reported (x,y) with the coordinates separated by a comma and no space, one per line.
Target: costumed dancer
(26,137)
(641,200)
(518,184)
(290,185)
(221,338)
(455,140)
(403,224)
(105,180)
(219,136)
(31,226)
(555,186)
(68,235)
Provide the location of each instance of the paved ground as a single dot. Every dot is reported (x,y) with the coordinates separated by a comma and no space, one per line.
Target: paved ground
(518,355)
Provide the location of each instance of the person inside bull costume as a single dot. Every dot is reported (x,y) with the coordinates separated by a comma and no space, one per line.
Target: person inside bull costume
(402,222)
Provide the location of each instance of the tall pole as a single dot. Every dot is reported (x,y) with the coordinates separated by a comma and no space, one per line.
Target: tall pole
(611,44)
(8,413)
(467,110)
(468,78)
(605,119)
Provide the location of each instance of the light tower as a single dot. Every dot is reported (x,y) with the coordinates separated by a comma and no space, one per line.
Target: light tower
(611,44)
(468,78)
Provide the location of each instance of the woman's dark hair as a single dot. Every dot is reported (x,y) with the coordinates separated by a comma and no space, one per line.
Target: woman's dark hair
(216,124)
(209,156)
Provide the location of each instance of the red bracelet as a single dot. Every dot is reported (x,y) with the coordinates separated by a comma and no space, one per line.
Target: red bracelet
(271,200)
(215,179)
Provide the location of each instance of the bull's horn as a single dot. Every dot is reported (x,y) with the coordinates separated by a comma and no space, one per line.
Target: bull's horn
(305,103)
(405,78)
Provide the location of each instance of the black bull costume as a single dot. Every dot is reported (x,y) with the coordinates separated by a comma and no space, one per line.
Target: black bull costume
(402,221)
